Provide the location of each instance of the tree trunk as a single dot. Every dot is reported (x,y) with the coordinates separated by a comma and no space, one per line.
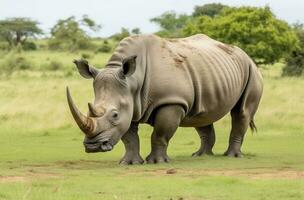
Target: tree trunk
(18,38)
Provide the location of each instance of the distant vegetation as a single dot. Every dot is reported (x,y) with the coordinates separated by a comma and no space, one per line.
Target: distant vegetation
(256,30)
(16,31)
(295,60)
(264,37)
(70,34)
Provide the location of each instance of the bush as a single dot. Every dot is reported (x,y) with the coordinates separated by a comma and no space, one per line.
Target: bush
(29,46)
(121,35)
(86,55)
(22,63)
(69,73)
(294,65)
(295,61)
(17,49)
(4,46)
(13,62)
(54,65)
(105,47)
(69,34)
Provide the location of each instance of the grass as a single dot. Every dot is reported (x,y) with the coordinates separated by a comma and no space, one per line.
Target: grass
(42,157)
(44,61)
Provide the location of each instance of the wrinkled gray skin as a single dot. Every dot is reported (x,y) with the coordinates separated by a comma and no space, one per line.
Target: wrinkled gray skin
(167,83)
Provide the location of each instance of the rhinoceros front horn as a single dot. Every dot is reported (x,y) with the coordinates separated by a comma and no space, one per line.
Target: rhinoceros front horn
(86,124)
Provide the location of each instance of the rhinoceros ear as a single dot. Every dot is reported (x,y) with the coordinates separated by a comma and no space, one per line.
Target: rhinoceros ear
(85,70)
(129,66)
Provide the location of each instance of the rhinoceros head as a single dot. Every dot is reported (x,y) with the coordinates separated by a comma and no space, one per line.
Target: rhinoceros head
(109,117)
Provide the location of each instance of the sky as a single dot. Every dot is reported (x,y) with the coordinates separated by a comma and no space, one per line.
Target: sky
(114,14)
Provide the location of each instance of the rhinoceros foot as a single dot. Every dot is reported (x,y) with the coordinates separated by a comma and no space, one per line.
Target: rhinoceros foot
(233,153)
(131,160)
(202,152)
(154,158)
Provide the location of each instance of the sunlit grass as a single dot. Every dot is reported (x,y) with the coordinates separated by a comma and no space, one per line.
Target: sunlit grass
(42,157)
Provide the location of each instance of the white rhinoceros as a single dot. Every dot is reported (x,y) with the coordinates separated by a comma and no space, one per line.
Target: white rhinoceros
(167,83)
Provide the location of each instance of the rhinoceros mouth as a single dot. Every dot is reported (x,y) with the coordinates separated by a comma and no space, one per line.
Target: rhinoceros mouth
(97,144)
(98,147)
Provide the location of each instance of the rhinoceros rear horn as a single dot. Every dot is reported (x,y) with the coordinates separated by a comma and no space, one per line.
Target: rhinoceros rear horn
(86,124)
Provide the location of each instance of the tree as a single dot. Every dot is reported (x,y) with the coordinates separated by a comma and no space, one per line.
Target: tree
(171,24)
(16,31)
(210,9)
(71,34)
(135,31)
(121,35)
(90,23)
(295,61)
(256,30)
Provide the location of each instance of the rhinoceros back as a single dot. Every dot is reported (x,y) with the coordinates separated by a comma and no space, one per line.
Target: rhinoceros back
(204,76)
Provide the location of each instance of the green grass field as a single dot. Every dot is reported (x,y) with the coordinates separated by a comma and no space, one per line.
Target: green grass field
(42,157)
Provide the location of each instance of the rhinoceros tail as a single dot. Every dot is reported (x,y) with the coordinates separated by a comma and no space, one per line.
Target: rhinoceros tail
(252,126)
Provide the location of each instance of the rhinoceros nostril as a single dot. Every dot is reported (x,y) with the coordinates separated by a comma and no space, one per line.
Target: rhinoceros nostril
(105,142)
(106,146)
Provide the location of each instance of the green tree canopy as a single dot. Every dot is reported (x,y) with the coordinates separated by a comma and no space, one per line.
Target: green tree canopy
(210,9)
(17,30)
(72,34)
(171,23)
(135,31)
(124,32)
(256,30)
(295,60)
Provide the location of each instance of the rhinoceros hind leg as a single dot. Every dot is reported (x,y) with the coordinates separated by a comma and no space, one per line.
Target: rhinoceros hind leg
(166,122)
(240,122)
(131,142)
(243,113)
(207,136)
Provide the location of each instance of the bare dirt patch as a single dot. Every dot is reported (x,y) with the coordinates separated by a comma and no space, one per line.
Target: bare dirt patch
(259,174)
(29,175)
(6,179)
(263,174)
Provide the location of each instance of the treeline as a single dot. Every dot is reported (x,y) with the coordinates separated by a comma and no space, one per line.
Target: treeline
(264,37)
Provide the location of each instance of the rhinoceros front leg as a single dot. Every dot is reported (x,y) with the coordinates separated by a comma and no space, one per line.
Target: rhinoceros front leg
(167,120)
(207,136)
(131,142)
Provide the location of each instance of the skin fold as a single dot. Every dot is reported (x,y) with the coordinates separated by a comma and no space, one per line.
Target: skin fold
(168,83)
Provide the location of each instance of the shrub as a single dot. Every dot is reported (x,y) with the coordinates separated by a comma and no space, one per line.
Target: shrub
(54,65)
(29,46)
(68,73)
(121,35)
(18,49)
(13,62)
(70,34)
(4,46)
(22,63)
(295,61)
(294,65)
(105,47)
(86,55)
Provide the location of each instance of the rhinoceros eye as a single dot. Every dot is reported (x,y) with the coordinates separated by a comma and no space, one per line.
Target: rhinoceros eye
(115,115)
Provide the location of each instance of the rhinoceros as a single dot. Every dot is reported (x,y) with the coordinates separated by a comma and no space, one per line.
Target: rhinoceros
(168,83)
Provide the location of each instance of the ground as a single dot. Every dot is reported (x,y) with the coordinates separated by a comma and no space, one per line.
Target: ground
(42,156)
